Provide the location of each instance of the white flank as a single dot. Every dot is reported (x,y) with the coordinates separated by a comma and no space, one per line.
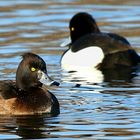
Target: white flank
(87,57)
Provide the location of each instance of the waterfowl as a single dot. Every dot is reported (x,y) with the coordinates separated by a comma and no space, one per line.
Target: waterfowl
(89,47)
(28,95)
(83,23)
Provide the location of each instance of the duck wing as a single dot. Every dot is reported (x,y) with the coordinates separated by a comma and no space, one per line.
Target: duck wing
(107,43)
(8,89)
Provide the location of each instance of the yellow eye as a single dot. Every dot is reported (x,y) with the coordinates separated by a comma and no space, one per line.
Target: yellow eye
(72,29)
(33,69)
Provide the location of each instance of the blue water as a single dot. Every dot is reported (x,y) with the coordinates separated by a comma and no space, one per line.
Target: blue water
(105,108)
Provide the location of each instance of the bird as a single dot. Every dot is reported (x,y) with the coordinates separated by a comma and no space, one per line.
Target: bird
(89,47)
(28,94)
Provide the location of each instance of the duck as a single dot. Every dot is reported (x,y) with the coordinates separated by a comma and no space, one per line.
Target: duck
(29,94)
(89,47)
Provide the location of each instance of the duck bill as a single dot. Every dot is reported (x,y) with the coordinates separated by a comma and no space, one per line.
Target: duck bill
(46,80)
(66,42)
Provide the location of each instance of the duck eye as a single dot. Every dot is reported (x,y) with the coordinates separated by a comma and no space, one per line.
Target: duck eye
(72,29)
(33,69)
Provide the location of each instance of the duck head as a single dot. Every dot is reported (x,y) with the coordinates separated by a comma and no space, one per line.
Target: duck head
(32,72)
(81,24)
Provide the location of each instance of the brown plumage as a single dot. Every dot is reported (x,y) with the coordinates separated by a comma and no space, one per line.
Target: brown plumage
(27,95)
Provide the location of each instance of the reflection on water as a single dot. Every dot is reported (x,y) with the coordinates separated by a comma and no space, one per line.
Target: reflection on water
(83,75)
(106,104)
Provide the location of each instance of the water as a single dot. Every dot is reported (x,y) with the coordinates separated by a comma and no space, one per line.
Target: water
(98,109)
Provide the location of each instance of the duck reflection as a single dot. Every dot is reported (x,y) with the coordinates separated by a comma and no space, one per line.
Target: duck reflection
(125,74)
(30,127)
(83,75)
(95,76)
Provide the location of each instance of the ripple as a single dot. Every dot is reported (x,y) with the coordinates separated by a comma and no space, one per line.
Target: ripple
(105,107)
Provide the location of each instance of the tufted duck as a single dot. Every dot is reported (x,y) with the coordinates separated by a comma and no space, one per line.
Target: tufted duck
(28,94)
(92,48)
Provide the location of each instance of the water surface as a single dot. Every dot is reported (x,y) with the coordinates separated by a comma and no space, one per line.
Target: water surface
(103,109)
